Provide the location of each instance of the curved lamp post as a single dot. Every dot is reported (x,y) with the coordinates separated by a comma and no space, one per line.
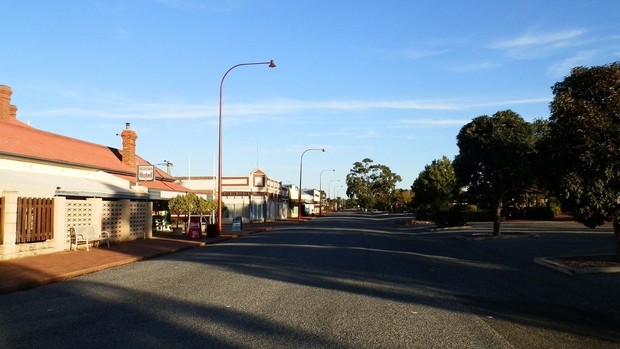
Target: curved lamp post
(301,163)
(329,185)
(336,195)
(321,191)
(271,64)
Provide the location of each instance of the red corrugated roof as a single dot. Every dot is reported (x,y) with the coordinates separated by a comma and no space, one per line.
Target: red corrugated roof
(159,184)
(21,140)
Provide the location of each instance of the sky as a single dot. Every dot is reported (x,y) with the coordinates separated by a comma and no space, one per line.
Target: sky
(393,81)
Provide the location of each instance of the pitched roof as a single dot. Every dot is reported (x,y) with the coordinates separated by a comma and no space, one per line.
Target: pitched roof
(158,184)
(20,140)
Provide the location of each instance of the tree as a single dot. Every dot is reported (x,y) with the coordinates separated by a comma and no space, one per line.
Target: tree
(402,199)
(178,205)
(583,147)
(495,158)
(206,207)
(436,186)
(358,184)
(436,189)
(371,185)
(189,204)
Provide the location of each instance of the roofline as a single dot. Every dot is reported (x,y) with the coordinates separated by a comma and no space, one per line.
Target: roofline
(20,157)
(52,161)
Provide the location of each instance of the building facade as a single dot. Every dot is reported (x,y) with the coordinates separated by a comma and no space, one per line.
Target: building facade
(50,183)
(254,198)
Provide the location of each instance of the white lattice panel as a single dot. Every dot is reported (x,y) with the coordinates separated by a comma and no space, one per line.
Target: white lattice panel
(77,213)
(111,218)
(137,219)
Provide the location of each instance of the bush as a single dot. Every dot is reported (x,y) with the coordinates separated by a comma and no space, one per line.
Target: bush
(455,216)
(481,216)
(423,214)
(532,213)
(539,213)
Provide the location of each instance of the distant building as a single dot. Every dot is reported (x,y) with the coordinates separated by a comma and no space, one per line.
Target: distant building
(310,200)
(255,197)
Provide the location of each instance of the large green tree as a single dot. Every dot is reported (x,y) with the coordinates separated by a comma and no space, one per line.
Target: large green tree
(495,158)
(371,185)
(436,187)
(583,147)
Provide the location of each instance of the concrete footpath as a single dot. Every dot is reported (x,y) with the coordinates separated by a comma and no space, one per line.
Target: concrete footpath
(29,272)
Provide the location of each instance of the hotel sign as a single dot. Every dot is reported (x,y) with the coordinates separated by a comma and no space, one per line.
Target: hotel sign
(146,173)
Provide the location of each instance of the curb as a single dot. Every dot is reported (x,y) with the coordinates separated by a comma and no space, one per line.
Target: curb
(25,285)
(70,275)
(546,262)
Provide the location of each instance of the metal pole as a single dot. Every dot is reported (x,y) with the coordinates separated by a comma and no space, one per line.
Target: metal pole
(321,191)
(329,185)
(301,163)
(271,64)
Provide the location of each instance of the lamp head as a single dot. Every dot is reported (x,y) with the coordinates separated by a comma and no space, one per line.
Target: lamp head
(272,64)
(323,150)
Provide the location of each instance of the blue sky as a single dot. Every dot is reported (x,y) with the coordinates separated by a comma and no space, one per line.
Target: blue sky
(393,81)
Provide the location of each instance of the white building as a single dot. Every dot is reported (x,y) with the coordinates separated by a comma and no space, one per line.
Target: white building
(255,197)
(50,183)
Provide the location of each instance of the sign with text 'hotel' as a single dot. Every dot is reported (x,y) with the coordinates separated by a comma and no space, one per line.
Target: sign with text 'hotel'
(145,173)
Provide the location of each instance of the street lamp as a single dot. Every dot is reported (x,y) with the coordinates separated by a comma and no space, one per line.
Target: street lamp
(301,163)
(336,195)
(336,188)
(328,188)
(270,64)
(321,191)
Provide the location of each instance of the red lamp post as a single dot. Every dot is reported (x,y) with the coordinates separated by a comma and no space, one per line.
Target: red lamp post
(271,64)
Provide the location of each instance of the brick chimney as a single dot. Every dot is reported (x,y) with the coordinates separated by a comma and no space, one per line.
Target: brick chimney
(13,112)
(7,111)
(129,146)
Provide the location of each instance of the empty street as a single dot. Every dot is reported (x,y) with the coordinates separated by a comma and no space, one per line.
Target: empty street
(348,280)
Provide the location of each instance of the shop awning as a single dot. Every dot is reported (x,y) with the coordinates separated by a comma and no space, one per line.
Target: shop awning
(85,184)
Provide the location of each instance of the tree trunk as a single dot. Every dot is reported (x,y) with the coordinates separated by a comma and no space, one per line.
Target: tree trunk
(616,224)
(497,217)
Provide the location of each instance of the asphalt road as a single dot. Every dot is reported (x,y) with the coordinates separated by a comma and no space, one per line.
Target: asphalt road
(343,281)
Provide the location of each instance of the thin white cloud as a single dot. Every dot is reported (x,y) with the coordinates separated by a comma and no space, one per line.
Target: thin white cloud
(508,102)
(356,105)
(536,44)
(469,68)
(417,50)
(538,39)
(368,134)
(423,53)
(144,111)
(433,122)
(91,105)
(193,5)
(563,67)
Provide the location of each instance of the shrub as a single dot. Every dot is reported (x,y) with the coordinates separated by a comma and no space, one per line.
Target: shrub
(481,216)
(539,213)
(532,213)
(454,216)
(423,214)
